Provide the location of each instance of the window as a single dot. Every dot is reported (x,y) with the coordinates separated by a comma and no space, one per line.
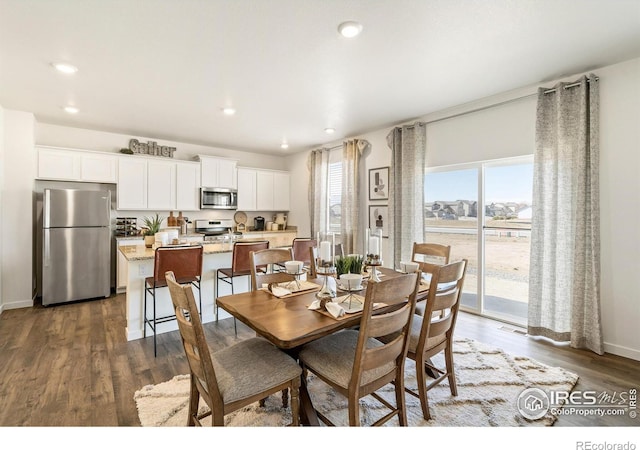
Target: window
(483,211)
(334,191)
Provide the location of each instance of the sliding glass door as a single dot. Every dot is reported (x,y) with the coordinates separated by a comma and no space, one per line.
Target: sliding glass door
(483,211)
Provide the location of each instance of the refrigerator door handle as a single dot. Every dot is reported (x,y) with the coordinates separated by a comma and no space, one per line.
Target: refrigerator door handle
(47,248)
(47,209)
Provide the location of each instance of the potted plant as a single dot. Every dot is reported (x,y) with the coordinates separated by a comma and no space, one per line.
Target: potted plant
(152,225)
(356,264)
(343,264)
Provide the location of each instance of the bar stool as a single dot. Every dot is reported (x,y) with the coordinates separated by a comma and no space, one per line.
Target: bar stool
(240,267)
(186,263)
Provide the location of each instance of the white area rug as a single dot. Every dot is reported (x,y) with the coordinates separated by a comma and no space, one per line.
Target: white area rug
(489,382)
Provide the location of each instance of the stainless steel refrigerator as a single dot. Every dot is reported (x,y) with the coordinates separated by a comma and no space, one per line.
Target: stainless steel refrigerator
(76,245)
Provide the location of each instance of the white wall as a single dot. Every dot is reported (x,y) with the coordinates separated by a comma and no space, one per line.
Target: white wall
(1,197)
(507,129)
(17,212)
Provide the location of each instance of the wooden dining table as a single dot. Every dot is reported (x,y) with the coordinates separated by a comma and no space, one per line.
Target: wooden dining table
(288,322)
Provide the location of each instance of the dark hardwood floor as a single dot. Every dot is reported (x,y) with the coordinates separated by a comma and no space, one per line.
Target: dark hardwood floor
(70,365)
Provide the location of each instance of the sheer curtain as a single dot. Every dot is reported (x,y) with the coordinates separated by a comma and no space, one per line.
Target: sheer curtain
(408,146)
(350,229)
(564,287)
(318,165)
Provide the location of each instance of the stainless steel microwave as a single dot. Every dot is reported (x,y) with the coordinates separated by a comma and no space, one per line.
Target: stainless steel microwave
(218,198)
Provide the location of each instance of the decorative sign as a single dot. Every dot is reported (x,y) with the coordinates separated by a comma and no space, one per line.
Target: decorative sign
(151,148)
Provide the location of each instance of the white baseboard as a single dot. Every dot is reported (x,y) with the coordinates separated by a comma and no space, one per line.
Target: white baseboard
(17,304)
(620,350)
(1,308)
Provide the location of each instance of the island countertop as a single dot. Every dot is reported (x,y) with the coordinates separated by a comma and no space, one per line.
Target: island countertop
(141,252)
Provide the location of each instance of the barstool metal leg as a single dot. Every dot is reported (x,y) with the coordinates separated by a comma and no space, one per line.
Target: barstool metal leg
(155,351)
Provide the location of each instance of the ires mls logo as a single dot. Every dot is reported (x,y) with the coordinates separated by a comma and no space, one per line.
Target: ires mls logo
(533,403)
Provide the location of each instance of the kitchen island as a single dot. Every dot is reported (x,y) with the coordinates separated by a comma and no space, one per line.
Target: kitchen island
(140,262)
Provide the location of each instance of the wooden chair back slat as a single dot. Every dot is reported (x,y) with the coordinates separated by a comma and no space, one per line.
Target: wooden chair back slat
(267,258)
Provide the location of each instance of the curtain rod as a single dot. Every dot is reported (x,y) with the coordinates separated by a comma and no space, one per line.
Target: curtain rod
(577,83)
(482,108)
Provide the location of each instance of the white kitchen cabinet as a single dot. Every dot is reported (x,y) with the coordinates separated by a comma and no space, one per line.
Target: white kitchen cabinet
(161,185)
(246,189)
(98,168)
(132,183)
(187,186)
(281,191)
(218,172)
(57,164)
(76,165)
(263,190)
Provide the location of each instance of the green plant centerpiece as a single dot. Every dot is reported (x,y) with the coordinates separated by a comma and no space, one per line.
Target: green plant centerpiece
(152,226)
(343,265)
(356,263)
(349,264)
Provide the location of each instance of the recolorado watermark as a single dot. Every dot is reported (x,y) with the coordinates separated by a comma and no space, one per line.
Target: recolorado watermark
(589,445)
(534,403)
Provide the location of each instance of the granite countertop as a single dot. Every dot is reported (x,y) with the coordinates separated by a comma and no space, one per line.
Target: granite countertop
(141,252)
(288,230)
(188,235)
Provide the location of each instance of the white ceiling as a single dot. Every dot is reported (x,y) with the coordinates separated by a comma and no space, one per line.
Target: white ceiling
(165,68)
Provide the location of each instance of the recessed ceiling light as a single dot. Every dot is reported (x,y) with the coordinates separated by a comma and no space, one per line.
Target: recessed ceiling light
(71,109)
(65,68)
(329,130)
(350,29)
(229,111)
(284,146)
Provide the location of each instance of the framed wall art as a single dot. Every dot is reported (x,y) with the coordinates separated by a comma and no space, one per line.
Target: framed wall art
(379,183)
(378,218)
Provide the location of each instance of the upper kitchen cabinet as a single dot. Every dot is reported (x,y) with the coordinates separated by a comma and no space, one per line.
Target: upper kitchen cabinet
(76,165)
(132,183)
(218,172)
(263,190)
(246,189)
(187,186)
(158,184)
(161,185)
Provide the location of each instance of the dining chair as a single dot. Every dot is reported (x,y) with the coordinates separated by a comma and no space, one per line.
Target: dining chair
(262,262)
(186,264)
(429,256)
(234,377)
(300,248)
(430,253)
(432,332)
(355,363)
(240,267)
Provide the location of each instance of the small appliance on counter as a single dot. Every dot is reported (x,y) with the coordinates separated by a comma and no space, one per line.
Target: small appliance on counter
(258,223)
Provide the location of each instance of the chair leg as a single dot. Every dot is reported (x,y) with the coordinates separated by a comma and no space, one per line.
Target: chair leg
(215,294)
(354,410)
(155,350)
(448,358)
(400,400)
(422,388)
(194,401)
(295,402)
(144,318)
